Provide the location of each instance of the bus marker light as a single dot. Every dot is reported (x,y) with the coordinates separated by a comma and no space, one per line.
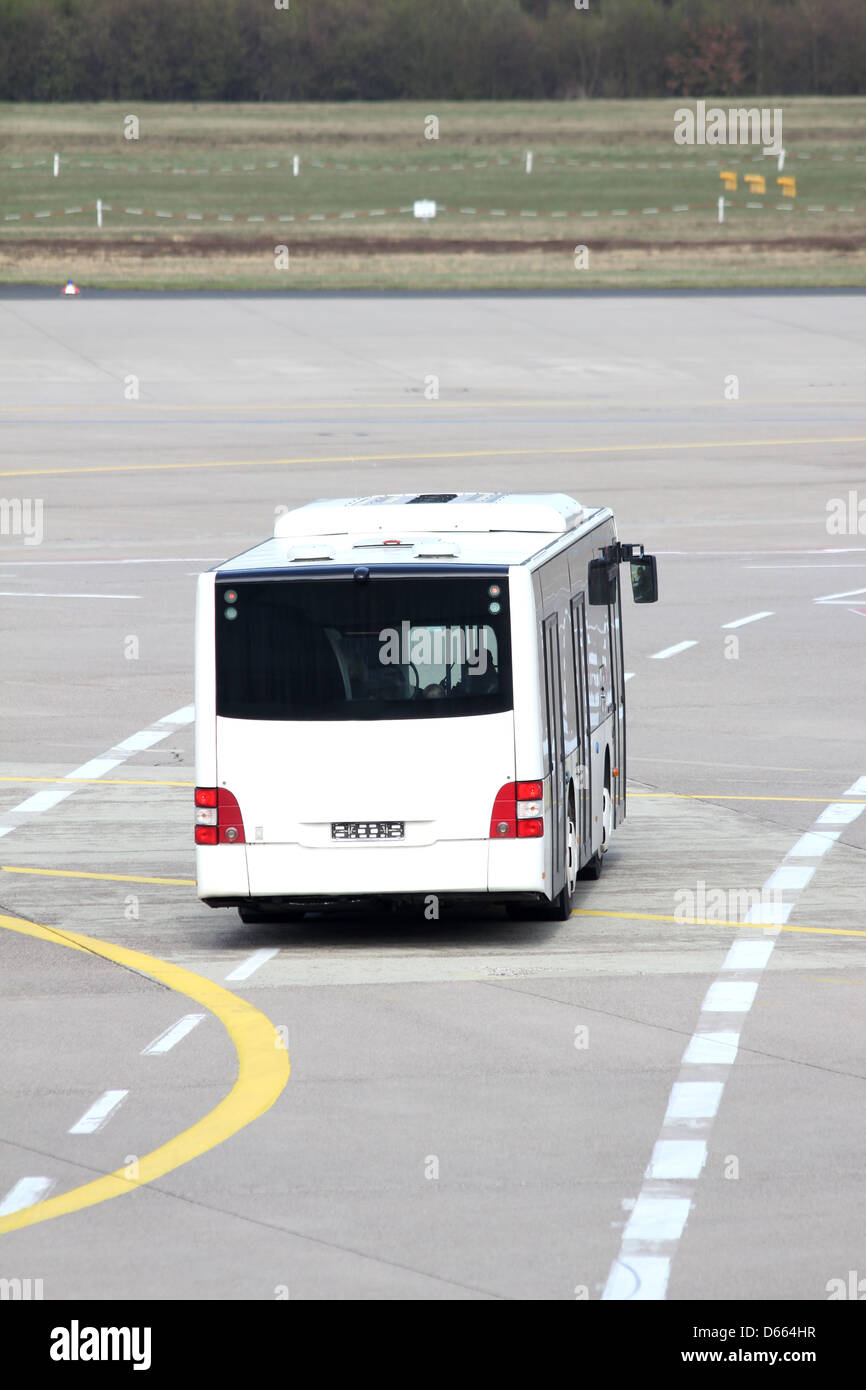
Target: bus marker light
(529,791)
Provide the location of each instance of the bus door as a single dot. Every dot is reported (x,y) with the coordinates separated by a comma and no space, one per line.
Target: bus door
(555,748)
(584,781)
(617,789)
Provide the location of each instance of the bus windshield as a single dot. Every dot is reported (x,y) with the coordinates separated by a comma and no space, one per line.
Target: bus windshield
(385,648)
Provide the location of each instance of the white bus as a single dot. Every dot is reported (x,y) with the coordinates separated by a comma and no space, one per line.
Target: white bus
(413,695)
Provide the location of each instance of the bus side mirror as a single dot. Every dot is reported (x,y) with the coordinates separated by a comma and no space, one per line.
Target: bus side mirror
(644,579)
(602,581)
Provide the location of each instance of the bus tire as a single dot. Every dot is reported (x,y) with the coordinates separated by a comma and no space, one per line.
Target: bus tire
(560,908)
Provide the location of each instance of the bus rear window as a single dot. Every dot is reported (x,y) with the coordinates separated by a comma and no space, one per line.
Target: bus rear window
(422,647)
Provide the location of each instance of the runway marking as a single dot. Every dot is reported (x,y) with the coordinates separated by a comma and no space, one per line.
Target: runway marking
(173,1035)
(753,618)
(672,651)
(768,925)
(840,813)
(99,1113)
(93,770)
(104,781)
(160,560)
(748,955)
(243,971)
(731,996)
(730,796)
(858,788)
(25,1193)
(710,1050)
(845,597)
(677,1158)
(670,1179)
(793,877)
(565,450)
(813,844)
(25,593)
(111,878)
(694,1100)
(263,1070)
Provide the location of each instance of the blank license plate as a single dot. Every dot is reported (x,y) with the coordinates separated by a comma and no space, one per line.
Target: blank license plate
(367,830)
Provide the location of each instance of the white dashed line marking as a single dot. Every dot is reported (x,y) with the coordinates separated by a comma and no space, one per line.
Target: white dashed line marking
(753,618)
(99,1113)
(677,1158)
(694,1100)
(172,1035)
(641,1270)
(839,813)
(813,844)
(243,971)
(748,955)
(672,651)
(95,768)
(26,1193)
(730,997)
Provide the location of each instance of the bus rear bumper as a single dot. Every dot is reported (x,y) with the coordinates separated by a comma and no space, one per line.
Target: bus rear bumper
(297,871)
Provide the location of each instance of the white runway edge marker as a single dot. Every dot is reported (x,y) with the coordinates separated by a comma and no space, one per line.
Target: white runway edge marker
(672,651)
(65,786)
(658,1218)
(26,1193)
(246,968)
(99,1113)
(167,1039)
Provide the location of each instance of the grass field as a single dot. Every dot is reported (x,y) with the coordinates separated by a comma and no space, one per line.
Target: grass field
(206,194)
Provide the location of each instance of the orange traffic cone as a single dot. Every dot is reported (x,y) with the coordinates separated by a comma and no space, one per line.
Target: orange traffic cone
(70,288)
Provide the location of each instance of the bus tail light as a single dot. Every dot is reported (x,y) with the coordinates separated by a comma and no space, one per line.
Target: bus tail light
(530,829)
(517,811)
(218,819)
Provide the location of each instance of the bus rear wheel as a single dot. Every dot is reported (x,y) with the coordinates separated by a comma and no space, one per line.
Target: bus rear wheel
(560,909)
(592,868)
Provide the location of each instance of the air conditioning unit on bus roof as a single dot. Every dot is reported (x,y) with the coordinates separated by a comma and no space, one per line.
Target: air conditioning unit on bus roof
(546,512)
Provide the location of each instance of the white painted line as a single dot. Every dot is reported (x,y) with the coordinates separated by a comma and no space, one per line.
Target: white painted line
(677,1158)
(672,651)
(172,1035)
(26,1193)
(99,1112)
(657,1218)
(749,955)
(846,594)
(42,801)
(628,675)
(181,716)
(13,593)
(858,789)
(730,997)
(137,743)
(711,1049)
(665,1200)
(694,1100)
(243,971)
(839,813)
(753,618)
(790,878)
(813,844)
(638,1277)
(770,914)
(96,768)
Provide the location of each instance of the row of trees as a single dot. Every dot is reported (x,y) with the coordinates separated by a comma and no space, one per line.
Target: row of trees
(312,50)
